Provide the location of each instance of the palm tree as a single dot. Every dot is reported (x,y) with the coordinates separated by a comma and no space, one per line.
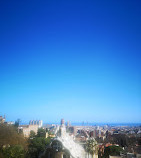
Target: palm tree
(92,147)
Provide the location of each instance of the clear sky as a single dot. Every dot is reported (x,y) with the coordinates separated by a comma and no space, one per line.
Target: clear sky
(72,59)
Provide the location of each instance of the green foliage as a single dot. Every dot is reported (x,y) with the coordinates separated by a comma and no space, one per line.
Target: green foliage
(14,145)
(112,150)
(122,140)
(91,146)
(37,145)
(32,134)
(41,132)
(16,151)
(49,132)
(1,154)
(9,135)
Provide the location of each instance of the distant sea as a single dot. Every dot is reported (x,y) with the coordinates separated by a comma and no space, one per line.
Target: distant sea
(90,124)
(100,124)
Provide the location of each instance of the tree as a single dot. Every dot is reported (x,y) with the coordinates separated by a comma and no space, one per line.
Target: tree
(92,147)
(16,151)
(112,150)
(32,134)
(37,145)
(11,141)
(41,132)
(1,154)
(10,136)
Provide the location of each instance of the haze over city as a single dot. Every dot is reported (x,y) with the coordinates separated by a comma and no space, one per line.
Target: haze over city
(75,60)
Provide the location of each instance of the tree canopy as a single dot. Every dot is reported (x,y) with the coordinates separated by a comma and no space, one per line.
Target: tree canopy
(91,146)
(10,136)
(37,143)
(12,144)
(112,150)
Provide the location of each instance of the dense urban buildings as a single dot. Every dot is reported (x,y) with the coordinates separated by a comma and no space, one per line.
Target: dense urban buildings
(26,129)
(85,141)
(33,126)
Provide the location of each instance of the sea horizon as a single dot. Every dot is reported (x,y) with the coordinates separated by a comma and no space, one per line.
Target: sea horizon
(89,124)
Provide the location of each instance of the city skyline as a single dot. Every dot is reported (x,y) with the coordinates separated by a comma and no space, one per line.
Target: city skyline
(77,60)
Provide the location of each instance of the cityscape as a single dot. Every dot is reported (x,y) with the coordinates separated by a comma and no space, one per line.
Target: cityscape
(68,141)
(70,79)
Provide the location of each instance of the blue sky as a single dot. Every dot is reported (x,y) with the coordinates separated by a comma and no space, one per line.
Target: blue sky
(77,60)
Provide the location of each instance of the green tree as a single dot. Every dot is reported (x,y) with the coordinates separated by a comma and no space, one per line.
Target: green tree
(37,145)
(16,151)
(112,150)
(92,147)
(1,154)
(11,141)
(10,136)
(32,134)
(41,132)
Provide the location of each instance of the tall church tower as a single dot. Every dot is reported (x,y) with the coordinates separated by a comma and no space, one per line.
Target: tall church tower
(62,122)
(63,128)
